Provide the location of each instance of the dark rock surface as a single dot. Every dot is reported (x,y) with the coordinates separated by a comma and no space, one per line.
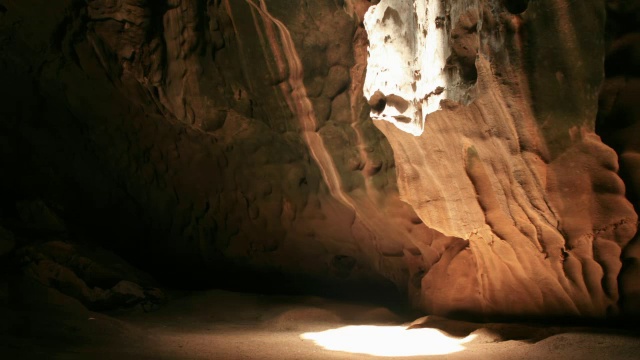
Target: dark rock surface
(97,278)
(7,242)
(619,124)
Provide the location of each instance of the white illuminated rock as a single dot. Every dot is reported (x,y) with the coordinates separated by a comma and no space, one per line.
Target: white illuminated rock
(408,73)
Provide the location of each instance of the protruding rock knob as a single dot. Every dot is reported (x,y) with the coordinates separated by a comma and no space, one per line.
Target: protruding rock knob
(378,102)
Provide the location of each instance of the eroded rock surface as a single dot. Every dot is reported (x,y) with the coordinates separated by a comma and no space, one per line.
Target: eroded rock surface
(420,53)
(96,278)
(519,174)
(619,124)
(220,140)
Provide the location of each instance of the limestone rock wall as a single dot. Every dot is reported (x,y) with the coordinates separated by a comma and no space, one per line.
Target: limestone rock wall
(205,135)
(417,59)
(219,140)
(519,174)
(619,123)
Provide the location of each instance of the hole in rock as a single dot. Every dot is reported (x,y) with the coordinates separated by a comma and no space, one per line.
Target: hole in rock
(378,102)
(516,6)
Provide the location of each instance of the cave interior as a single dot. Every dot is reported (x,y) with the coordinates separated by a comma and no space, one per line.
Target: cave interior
(326,179)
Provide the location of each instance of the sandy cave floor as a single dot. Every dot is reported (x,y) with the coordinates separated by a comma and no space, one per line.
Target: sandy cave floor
(225,325)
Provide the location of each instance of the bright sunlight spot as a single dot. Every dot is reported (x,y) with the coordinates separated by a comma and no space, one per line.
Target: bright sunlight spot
(387,340)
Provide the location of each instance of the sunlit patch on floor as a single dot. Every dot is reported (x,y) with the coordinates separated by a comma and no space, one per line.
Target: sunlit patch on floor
(387,340)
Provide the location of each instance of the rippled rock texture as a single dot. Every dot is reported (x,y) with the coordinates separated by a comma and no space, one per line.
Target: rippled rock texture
(214,139)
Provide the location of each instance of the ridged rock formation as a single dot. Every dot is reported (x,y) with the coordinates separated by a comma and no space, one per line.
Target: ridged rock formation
(224,139)
(519,174)
(619,124)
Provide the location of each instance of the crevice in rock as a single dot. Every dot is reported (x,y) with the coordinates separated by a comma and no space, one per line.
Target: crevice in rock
(516,6)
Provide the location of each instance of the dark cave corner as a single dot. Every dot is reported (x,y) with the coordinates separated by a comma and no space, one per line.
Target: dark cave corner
(73,238)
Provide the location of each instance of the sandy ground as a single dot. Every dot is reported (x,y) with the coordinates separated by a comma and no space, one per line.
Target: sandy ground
(225,325)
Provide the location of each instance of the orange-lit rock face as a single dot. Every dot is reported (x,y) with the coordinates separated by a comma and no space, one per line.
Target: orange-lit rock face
(237,135)
(520,175)
(619,124)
